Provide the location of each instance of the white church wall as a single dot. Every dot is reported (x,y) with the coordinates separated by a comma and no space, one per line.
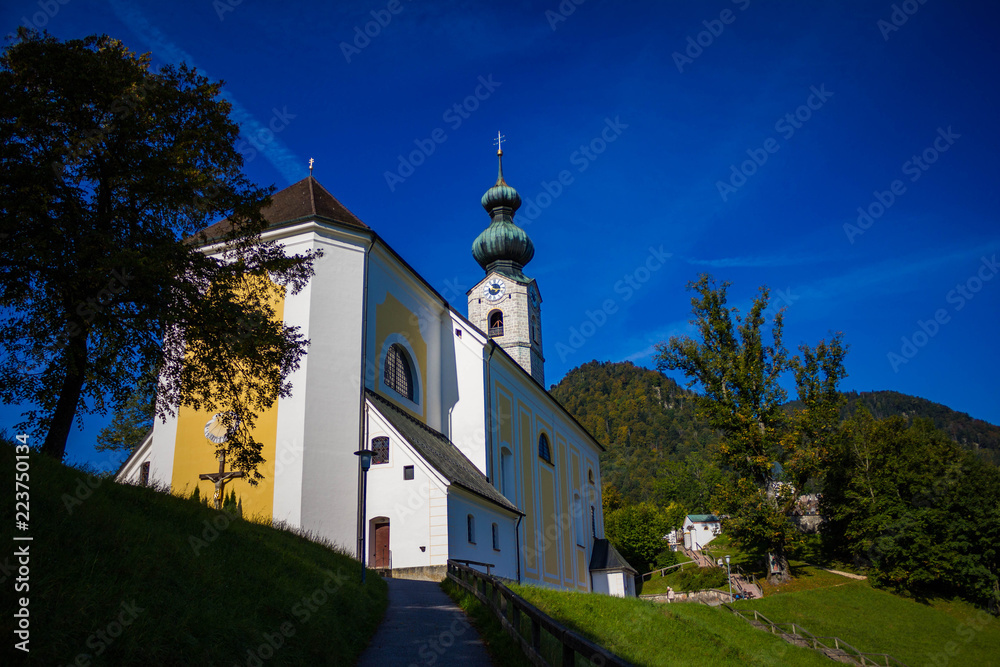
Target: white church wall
(332,391)
(461,505)
(467,419)
(289,445)
(417,521)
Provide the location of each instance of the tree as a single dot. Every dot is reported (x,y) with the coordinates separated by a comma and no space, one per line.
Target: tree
(739,373)
(637,532)
(108,171)
(918,512)
(131,421)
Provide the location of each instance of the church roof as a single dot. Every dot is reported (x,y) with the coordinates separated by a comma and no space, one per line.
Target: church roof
(440,452)
(703,518)
(606,557)
(305,200)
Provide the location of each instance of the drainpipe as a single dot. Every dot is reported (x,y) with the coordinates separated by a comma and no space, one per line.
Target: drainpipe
(517,544)
(362,416)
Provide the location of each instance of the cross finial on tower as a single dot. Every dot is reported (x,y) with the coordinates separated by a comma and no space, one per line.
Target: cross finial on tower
(311,166)
(498,142)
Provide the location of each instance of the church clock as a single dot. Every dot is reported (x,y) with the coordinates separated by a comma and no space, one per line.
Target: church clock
(494,289)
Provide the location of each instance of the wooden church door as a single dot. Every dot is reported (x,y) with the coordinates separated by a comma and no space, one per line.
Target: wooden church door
(382,545)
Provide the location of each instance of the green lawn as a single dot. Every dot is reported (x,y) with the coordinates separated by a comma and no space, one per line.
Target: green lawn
(875,621)
(648,633)
(686,578)
(129,575)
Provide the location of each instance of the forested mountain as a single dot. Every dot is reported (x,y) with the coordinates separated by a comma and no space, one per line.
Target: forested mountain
(657,448)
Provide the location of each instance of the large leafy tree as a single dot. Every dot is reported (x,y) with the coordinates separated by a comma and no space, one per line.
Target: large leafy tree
(108,170)
(739,371)
(918,512)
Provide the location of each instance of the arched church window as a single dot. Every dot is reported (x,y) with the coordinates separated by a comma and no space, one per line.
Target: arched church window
(543,448)
(380,449)
(398,373)
(495,323)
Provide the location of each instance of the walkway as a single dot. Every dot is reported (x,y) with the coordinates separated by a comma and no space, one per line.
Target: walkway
(422,626)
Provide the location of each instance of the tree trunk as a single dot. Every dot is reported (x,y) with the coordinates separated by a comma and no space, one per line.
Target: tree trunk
(778,571)
(69,397)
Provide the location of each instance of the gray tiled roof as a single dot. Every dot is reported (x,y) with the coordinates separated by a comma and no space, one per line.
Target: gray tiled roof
(440,452)
(606,557)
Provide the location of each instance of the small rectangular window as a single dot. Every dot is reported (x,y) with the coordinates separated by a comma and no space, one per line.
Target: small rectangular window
(496,538)
(407,472)
(144,474)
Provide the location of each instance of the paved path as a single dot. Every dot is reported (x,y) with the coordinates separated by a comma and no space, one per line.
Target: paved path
(422,626)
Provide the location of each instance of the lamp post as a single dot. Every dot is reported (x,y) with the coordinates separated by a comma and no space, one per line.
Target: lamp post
(365,460)
(729,575)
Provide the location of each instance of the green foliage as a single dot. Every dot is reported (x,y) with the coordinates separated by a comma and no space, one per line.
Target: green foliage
(739,373)
(915,509)
(132,421)
(108,170)
(637,531)
(209,587)
(648,426)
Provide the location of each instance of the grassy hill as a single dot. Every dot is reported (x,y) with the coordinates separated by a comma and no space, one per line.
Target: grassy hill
(938,633)
(129,575)
(874,621)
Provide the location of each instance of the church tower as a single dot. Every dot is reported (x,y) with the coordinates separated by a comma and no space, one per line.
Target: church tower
(506,304)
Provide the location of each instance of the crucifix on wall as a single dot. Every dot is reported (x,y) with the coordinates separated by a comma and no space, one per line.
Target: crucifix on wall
(220,479)
(217,433)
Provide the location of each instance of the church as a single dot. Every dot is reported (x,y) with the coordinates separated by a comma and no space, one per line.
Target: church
(472,459)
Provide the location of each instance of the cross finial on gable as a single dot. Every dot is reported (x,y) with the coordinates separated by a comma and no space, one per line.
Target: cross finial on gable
(498,142)
(311,166)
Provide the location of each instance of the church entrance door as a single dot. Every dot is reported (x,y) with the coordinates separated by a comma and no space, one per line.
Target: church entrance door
(382,559)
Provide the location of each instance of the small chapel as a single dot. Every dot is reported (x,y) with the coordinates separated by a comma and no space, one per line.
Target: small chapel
(472,459)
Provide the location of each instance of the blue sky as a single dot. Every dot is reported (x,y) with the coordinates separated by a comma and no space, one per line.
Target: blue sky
(739,138)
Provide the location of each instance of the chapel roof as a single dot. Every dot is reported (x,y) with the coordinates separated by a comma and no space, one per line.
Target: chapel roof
(703,518)
(606,557)
(440,452)
(305,200)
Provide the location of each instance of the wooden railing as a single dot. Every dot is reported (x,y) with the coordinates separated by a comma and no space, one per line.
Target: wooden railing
(796,630)
(649,575)
(509,608)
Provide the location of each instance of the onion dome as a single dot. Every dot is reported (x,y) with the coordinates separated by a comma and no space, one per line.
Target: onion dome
(502,242)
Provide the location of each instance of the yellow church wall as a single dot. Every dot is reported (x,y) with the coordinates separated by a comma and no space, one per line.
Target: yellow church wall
(550,528)
(566,525)
(581,552)
(528,488)
(392,317)
(194,454)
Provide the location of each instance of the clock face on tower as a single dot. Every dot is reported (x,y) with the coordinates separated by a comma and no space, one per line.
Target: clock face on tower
(494,289)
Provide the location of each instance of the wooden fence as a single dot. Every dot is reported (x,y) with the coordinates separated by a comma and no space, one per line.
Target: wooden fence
(510,608)
(797,632)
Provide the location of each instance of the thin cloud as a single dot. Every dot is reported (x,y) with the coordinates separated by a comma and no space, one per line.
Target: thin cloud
(275,151)
(753,262)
